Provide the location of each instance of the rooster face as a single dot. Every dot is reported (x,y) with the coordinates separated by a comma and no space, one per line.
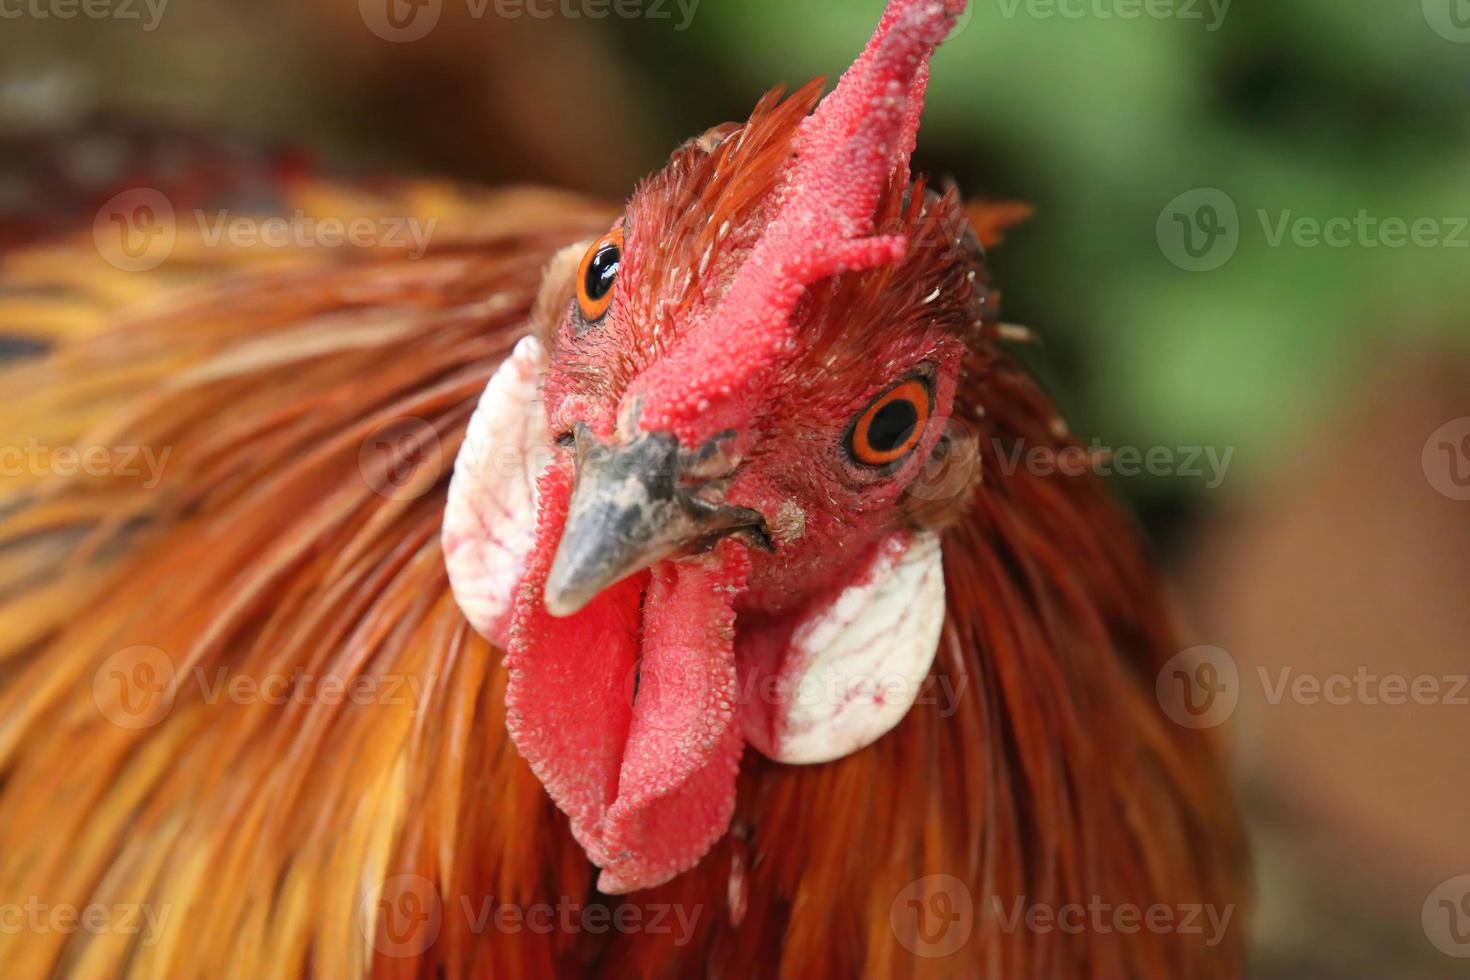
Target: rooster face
(805,465)
(752,367)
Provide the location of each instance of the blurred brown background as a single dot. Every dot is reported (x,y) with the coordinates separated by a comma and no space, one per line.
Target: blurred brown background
(1250,247)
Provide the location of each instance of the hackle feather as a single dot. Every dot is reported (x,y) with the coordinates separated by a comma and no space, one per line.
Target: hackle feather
(284,541)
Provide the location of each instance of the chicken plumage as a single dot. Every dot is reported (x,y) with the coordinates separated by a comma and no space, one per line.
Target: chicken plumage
(239,695)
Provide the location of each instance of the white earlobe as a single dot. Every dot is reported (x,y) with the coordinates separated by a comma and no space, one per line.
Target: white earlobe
(490,514)
(856,665)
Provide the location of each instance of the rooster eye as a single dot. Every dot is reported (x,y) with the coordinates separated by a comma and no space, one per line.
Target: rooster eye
(891,426)
(598,273)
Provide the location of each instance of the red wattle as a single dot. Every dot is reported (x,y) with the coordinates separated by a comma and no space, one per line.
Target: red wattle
(566,703)
(676,791)
(640,755)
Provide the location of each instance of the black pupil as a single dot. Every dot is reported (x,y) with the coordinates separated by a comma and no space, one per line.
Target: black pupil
(601,272)
(892,425)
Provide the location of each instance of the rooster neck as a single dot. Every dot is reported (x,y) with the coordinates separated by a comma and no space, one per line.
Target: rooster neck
(283,836)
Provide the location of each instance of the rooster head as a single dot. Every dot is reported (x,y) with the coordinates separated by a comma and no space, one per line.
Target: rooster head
(686,509)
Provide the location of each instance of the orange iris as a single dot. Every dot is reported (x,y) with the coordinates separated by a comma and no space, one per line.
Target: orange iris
(596,274)
(891,426)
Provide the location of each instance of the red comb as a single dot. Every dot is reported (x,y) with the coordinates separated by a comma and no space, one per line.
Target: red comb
(846,151)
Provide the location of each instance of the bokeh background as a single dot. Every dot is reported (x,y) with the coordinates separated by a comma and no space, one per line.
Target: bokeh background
(1179,156)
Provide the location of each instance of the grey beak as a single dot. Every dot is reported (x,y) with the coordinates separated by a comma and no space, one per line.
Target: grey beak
(628,511)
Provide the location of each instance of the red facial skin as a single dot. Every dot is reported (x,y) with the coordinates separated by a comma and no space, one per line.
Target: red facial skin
(825,510)
(775,279)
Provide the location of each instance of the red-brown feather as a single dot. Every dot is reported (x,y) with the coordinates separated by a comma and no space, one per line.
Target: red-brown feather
(1052,777)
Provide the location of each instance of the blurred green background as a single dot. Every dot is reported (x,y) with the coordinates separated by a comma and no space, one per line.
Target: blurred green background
(1095,111)
(1127,130)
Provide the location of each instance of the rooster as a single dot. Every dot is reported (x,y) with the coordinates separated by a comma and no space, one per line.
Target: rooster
(598,566)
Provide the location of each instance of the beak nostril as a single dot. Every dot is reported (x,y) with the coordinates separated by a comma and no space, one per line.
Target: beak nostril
(630,507)
(577,438)
(715,459)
